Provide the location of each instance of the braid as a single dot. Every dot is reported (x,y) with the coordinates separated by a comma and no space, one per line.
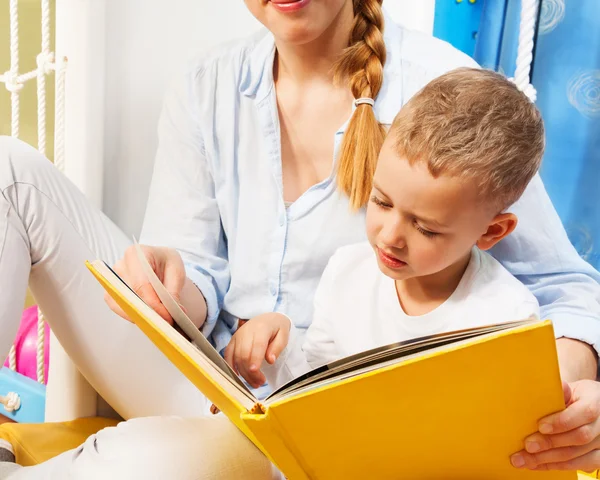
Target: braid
(362,67)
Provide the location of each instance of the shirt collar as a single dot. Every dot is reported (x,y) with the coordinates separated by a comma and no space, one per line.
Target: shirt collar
(257,70)
(257,77)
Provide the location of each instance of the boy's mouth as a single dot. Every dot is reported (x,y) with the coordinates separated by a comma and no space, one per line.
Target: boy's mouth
(389,260)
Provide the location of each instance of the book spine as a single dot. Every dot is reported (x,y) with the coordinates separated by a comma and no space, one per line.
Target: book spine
(275,445)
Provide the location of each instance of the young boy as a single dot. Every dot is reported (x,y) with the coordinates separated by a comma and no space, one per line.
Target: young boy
(458,154)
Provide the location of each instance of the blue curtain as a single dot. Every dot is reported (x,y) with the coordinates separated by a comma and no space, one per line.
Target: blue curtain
(566,75)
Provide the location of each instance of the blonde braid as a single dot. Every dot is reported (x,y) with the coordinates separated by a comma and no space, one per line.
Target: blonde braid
(362,67)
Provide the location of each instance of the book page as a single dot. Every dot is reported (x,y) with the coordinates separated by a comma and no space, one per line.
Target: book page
(385,355)
(180,317)
(147,316)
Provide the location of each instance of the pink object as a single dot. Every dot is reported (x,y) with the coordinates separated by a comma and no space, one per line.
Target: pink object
(26,345)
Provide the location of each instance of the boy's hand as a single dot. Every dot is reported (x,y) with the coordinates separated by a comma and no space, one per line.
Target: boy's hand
(262,337)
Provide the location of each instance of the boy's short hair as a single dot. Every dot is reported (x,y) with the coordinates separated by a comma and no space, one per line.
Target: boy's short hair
(474,124)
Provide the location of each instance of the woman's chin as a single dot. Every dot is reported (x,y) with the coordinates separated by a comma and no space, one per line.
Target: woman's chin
(297,32)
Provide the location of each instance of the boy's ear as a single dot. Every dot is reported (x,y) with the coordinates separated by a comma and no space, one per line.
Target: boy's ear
(501,226)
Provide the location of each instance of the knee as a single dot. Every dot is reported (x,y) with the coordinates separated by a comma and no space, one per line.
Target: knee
(172,447)
(11,145)
(19,161)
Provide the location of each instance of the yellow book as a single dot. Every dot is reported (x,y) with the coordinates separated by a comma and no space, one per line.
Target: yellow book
(450,406)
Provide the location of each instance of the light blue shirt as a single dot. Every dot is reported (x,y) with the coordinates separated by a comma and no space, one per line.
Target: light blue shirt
(216,196)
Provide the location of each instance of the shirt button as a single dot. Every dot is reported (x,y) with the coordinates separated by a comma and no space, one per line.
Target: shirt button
(273,289)
(281,220)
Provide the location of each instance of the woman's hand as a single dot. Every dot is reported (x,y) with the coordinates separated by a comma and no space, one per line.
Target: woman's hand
(263,337)
(168,266)
(567,440)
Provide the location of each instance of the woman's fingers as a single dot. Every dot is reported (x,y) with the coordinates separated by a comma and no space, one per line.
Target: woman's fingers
(577,437)
(583,457)
(576,415)
(173,274)
(167,265)
(567,439)
(115,307)
(586,463)
(147,293)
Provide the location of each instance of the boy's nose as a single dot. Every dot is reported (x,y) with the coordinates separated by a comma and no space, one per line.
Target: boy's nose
(393,236)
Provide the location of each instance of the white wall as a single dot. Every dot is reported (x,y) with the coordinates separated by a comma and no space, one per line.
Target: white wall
(147,42)
(415,15)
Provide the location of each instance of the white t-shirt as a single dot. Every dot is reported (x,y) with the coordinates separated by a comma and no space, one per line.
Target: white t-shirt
(357,308)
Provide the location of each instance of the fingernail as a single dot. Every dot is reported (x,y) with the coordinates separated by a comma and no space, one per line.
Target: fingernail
(517,461)
(546,428)
(253,368)
(532,447)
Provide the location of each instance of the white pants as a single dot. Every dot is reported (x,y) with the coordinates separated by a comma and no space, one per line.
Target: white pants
(47,231)
(157,448)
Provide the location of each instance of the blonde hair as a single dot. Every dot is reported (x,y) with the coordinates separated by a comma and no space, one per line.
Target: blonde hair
(362,66)
(474,124)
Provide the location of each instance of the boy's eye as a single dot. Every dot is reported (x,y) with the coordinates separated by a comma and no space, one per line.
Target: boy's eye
(427,233)
(380,203)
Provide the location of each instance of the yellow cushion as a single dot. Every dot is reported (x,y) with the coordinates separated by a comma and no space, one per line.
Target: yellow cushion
(34,443)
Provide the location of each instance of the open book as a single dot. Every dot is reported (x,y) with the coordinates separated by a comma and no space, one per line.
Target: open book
(452,406)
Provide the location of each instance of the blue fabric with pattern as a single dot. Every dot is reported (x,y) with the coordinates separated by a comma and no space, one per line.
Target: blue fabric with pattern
(566,75)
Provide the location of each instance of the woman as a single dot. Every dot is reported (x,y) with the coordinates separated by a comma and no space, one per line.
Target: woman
(246,206)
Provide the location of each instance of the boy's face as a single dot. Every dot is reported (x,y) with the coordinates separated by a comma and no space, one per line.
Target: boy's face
(419,225)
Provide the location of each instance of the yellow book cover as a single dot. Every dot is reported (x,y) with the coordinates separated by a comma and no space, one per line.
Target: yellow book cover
(451,406)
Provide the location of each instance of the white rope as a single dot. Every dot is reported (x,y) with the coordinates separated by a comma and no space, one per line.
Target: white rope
(41,104)
(12,358)
(40,347)
(59,114)
(46,28)
(11,401)
(44,59)
(529,9)
(14,83)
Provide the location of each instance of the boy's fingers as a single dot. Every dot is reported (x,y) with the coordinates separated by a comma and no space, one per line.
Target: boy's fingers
(228,354)
(259,347)
(256,379)
(240,357)
(253,378)
(277,346)
(243,349)
(235,356)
